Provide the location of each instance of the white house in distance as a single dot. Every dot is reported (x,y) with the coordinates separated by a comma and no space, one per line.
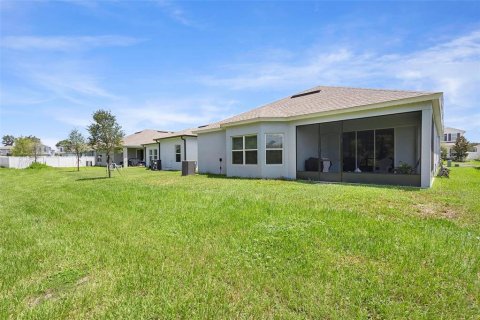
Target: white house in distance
(450,136)
(331,134)
(172,148)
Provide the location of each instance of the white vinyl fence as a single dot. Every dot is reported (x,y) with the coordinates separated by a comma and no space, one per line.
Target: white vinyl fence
(23,162)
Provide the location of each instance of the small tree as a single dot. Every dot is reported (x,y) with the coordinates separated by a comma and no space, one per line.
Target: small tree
(8,140)
(461,148)
(75,143)
(105,134)
(24,147)
(37,146)
(443,153)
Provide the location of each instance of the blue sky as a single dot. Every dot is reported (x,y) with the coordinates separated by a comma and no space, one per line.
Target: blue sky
(173,65)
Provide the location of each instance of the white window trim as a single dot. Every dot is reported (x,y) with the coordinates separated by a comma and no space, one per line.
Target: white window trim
(274,149)
(180,153)
(243,150)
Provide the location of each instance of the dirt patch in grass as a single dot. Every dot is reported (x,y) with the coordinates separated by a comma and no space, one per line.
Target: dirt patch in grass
(34,301)
(431,210)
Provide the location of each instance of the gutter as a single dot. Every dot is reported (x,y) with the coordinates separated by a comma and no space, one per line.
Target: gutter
(184,148)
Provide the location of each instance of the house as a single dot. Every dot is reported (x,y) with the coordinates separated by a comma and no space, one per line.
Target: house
(333,134)
(133,149)
(172,148)
(132,152)
(6,150)
(474,154)
(450,136)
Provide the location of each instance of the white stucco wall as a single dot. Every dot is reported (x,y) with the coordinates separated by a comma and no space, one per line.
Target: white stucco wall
(212,147)
(168,155)
(408,126)
(261,169)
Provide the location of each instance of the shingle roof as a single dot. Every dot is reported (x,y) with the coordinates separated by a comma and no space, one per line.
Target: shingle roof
(321,99)
(186,132)
(143,137)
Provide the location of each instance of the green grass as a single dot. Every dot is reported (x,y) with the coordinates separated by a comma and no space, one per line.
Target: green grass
(156,245)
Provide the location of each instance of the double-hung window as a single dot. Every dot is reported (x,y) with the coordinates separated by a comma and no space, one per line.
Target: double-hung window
(244,150)
(274,148)
(178,153)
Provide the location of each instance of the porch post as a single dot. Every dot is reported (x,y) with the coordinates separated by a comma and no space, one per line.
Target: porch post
(425,148)
(125,157)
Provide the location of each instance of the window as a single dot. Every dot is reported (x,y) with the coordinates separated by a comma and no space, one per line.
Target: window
(445,137)
(458,135)
(178,153)
(369,151)
(449,137)
(274,148)
(244,150)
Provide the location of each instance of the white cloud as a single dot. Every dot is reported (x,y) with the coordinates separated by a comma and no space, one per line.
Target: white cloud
(452,67)
(172,114)
(62,43)
(175,12)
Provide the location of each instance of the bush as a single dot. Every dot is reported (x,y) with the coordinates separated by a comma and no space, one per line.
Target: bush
(37,165)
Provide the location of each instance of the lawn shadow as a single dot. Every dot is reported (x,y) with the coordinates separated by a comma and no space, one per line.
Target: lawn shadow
(380,186)
(89,179)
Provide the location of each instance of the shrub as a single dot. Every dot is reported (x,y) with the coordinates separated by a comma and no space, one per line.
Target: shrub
(37,165)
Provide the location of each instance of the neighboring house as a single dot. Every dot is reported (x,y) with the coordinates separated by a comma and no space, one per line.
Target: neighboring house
(62,152)
(172,149)
(331,134)
(133,149)
(43,150)
(132,152)
(6,150)
(450,136)
(474,154)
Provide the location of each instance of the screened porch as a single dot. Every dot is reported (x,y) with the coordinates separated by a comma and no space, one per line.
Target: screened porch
(378,150)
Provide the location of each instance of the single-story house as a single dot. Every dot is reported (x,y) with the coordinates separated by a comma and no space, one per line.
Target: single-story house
(335,134)
(172,148)
(132,151)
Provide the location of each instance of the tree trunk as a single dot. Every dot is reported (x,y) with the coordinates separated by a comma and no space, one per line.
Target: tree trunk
(108,165)
(78,162)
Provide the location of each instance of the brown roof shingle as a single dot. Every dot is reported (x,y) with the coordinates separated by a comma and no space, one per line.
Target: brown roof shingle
(143,137)
(322,99)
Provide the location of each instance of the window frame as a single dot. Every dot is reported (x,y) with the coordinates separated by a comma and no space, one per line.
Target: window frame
(243,150)
(275,149)
(178,153)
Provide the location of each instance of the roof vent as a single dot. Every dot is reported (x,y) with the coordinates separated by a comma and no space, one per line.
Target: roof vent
(304,94)
(205,125)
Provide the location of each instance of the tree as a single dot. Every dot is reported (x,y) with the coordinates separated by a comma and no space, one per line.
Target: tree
(75,143)
(105,134)
(8,140)
(37,146)
(443,153)
(27,147)
(461,147)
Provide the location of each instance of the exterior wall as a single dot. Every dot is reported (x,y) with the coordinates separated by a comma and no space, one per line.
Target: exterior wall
(117,158)
(212,147)
(167,152)
(53,161)
(261,169)
(412,128)
(475,154)
(148,148)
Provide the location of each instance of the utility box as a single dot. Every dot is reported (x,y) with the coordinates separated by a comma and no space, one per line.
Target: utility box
(188,168)
(449,163)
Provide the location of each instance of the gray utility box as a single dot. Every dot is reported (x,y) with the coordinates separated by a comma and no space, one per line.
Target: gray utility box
(188,168)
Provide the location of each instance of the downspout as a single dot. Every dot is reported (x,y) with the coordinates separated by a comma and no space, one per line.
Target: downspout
(184,148)
(159,159)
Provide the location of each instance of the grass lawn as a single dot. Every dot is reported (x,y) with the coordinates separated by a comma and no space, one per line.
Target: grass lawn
(156,245)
